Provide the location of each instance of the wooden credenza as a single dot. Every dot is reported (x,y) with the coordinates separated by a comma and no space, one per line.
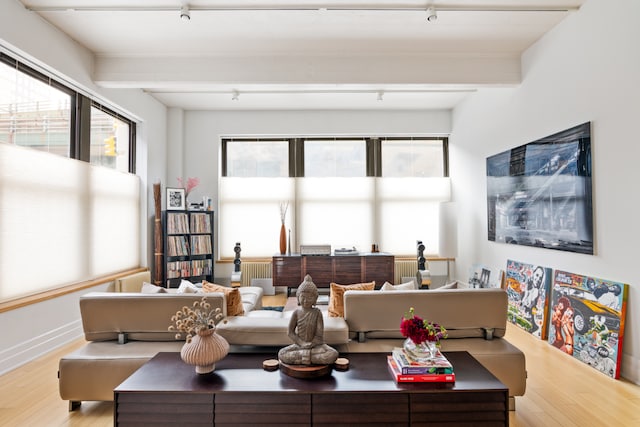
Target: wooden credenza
(289,270)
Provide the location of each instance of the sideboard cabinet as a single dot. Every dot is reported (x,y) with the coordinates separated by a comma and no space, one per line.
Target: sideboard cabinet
(289,270)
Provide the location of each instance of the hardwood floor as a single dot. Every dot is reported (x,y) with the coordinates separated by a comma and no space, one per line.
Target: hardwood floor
(560,392)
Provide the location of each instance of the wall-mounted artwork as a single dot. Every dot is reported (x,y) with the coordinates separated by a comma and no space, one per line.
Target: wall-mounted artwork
(587,320)
(483,276)
(528,288)
(539,194)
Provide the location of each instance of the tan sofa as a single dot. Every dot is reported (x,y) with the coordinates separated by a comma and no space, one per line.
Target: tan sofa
(475,318)
(123,330)
(476,321)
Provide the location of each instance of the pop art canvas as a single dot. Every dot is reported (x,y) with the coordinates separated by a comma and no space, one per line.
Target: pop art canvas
(528,288)
(587,320)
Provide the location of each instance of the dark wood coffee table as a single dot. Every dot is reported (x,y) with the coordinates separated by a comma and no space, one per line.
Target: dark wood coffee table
(239,392)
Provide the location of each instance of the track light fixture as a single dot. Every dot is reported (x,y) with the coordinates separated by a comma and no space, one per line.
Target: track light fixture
(235,95)
(184,13)
(432,15)
(380,95)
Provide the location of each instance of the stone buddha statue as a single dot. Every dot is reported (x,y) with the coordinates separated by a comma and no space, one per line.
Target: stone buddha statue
(306,330)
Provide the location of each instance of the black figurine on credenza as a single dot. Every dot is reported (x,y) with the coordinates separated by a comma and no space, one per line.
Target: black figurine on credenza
(423,276)
(236,276)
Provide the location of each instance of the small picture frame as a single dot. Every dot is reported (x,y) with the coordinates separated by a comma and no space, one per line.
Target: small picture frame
(175,199)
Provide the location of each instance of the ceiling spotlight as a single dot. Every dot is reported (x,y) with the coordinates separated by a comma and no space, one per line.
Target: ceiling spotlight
(184,13)
(235,95)
(380,95)
(432,16)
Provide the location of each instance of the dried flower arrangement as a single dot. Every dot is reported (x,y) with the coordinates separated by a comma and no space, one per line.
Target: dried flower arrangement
(190,320)
(284,206)
(189,185)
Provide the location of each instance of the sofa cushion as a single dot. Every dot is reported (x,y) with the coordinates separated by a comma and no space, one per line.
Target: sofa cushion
(186,287)
(409,286)
(336,294)
(232,296)
(149,288)
(272,330)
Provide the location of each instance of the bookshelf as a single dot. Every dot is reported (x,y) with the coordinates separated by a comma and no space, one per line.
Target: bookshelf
(188,246)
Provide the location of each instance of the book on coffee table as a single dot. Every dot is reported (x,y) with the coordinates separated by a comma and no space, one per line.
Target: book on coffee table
(438,365)
(399,377)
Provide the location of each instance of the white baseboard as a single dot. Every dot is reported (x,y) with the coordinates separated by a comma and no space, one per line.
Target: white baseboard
(35,347)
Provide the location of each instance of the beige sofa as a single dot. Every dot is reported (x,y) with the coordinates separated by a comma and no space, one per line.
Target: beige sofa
(475,319)
(124,330)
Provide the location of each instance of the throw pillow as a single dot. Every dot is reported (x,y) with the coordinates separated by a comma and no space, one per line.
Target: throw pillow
(452,285)
(336,294)
(409,286)
(231,295)
(186,287)
(149,288)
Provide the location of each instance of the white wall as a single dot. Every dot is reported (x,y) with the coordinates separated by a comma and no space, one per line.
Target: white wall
(36,329)
(586,69)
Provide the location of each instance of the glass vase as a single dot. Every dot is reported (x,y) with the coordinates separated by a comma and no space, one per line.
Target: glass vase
(423,352)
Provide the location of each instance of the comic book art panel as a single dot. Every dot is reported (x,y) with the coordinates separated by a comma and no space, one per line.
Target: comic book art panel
(528,288)
(482,276)
(587,320)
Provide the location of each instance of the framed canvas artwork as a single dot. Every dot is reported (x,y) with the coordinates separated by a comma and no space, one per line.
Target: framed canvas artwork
(587,320)
(528,287)
(539,194)
(175,199)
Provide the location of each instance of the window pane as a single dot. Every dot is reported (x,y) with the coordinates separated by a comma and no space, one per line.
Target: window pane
(412,158)
(257,159)
(343,158)
(250,214)
(109,141)
(336,211)
(32,113)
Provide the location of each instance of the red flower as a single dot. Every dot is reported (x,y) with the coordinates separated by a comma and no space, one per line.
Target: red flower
(420,330)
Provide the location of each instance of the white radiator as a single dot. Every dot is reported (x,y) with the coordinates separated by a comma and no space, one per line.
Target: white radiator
(254,270)
(405,268)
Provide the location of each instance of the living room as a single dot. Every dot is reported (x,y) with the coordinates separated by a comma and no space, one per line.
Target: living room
(583,70)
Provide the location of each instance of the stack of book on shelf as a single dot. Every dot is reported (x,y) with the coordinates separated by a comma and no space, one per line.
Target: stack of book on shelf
(404,369)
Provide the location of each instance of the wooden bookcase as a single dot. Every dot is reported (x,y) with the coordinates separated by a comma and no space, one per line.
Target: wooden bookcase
(188,246)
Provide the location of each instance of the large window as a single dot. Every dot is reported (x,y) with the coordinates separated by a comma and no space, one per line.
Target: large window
(341,191)
(38,112)
(34,113)
(67,213)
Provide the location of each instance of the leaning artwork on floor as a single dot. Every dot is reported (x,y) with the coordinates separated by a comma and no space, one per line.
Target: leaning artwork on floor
(483,276)
(587,320)
(528,287)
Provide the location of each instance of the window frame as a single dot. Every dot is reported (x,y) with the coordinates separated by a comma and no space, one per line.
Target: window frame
(79,115)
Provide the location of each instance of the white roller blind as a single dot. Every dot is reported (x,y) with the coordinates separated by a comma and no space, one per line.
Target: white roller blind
(250,214)
(63,221)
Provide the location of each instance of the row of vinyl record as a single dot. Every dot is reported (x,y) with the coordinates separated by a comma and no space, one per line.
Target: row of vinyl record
(183,223)
(201,267)
(178,246)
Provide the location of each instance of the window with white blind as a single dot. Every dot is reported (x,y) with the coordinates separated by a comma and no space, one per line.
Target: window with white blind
(344,192)
(68,213)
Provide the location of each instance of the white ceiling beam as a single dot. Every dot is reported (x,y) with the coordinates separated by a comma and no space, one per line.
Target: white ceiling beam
(163,72)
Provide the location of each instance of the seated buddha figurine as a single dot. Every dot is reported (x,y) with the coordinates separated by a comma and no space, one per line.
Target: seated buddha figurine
(306,330)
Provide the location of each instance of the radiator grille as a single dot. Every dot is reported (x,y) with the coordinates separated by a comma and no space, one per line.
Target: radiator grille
(405,269)
(254,270)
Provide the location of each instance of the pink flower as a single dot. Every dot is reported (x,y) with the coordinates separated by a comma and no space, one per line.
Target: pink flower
(190,185)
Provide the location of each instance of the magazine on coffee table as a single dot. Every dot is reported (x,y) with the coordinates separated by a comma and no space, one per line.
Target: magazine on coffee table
(438,365)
